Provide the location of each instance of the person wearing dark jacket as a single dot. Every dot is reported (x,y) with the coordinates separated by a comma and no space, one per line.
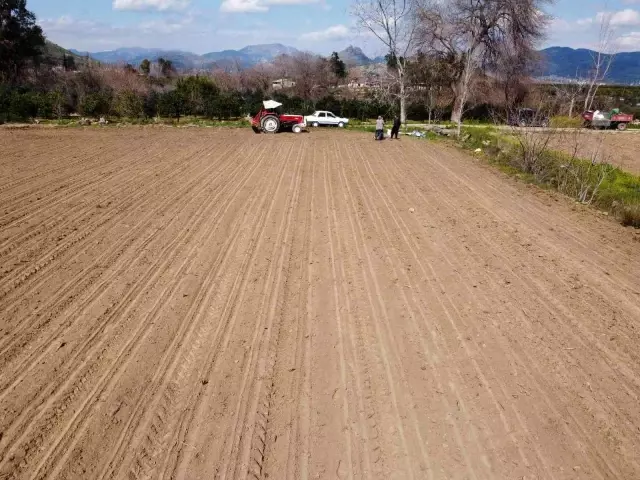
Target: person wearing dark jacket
(395,130)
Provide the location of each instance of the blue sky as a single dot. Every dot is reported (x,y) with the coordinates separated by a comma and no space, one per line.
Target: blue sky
(203,26)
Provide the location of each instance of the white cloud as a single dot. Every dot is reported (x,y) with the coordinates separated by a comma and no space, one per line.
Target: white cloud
(625,18)
(257,6)
(164,26)
(336,32)
(629,42)
(89,35)
(243,6)
(161,5)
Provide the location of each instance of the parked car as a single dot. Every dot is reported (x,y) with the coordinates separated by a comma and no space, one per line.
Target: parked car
(528,117)
(327,119)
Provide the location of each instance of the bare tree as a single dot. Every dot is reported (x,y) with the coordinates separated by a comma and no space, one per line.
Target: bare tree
(256,78)
(602,58)
(475,34)
(587,167)
(394,24)
(569,92)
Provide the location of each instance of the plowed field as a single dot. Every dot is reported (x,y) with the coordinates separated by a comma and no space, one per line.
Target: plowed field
(617,148)
(203,304)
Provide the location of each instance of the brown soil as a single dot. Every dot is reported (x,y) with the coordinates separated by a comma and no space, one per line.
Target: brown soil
(621,149)
(201,304)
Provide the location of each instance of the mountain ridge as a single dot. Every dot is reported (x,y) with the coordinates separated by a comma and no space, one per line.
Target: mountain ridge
(570,63)
(558,62)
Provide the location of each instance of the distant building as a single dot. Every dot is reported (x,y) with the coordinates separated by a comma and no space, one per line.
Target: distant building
(282,83)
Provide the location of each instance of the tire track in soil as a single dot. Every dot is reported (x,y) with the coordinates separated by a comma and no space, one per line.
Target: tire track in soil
(298,421)
(78,185)
(566,358)
(77,213)
(298,418)
(427,348)
(368,412)
(332,227)
(100,289)
(129,350)
(169,407)
(412,286)
(153,273)
(190,433)
(139,201)
(381,320)
(252,458)
(578,332)
(439,368)
(614,363)
(530,360)
(50,255)
(237,461)
(536,219)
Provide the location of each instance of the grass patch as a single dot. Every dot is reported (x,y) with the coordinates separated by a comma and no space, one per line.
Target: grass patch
(565,122)
(599,184)
(182,122)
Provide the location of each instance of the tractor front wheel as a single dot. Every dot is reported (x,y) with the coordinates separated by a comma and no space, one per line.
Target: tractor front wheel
(297,129)
(622,126)
(270,124)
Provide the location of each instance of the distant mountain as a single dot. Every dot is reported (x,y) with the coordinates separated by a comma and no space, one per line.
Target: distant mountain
(558,62)
(54,54)
(354,56)
(569,63)
(246,57)
(134,56)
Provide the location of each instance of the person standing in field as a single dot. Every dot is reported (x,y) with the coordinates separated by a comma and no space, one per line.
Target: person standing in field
(379,128)
(395,130)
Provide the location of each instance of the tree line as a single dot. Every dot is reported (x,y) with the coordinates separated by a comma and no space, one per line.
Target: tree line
(445,60)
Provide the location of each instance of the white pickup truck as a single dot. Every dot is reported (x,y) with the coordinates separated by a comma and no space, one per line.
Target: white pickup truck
(322,117)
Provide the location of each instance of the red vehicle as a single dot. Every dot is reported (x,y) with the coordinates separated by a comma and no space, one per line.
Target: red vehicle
(613,119)
(268,120)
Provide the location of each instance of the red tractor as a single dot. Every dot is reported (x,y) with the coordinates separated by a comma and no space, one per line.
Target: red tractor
(268,120)
(602,120)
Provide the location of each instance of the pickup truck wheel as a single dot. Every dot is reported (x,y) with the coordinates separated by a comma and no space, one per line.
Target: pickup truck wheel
(341,124)
(622,126)
(315,124)
(270,124)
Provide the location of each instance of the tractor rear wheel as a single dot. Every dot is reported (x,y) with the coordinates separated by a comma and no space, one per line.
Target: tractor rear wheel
(270,124)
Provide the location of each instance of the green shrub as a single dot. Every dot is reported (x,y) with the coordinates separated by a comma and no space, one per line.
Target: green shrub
(95,104)
(129,104)
(479,137)
(527,156)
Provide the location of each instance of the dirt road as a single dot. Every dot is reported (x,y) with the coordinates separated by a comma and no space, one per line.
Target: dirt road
(199,304)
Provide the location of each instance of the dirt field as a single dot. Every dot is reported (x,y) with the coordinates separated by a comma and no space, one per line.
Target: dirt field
(199,304)
(618,148)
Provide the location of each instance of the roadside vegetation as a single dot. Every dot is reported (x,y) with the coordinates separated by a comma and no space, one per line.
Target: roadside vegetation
(589,181)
